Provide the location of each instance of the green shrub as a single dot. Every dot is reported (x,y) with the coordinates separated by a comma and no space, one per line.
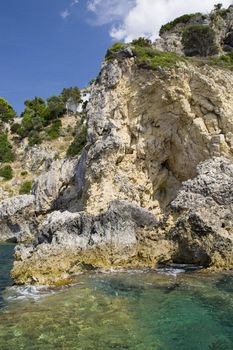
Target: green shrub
(7,113)
(148,57)
(179,20)
(6,153)
(26,187)
(112,51)
(15,128)
(199,40)
(225,61)
(56,105)
(6,172)
(34,138)
(142,42)
(71,94)
(24,173)
(36,116)
(78,143)
(53,132)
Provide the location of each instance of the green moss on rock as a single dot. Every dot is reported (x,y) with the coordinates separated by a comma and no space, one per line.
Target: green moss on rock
(150,58)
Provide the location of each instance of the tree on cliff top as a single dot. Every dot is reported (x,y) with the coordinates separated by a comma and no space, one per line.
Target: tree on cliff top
(71,94)
(7,113)
(56,105)
(199,40)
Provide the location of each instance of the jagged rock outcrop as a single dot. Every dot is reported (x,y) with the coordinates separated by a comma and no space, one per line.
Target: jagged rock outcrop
(151,130)
(21,216)
(204,229)
(72,242)
(17,219)
(50,185)
(148,131)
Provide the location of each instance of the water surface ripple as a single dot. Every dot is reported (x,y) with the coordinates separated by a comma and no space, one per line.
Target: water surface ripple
(169,309)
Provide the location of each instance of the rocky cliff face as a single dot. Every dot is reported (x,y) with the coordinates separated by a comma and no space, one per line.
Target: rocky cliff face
(153,184)
(219,20)
(31,161)
(17,219)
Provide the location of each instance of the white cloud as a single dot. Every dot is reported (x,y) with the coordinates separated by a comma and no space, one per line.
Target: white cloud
(64,14)
(134,18)
(74,2)
(109,11)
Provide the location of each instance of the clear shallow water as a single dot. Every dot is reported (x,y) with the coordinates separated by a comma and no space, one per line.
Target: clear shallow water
(135,310)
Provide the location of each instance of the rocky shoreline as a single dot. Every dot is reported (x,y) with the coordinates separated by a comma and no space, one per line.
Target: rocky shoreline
(125,201)
(153,184)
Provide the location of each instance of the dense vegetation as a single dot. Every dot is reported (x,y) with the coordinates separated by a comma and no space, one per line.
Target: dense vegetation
(40,119)
(199,40)
(7,113)
(6,152)
(179,20)
(6,172)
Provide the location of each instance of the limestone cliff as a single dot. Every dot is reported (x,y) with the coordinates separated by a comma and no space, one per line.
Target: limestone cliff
(153,184)
(133,203)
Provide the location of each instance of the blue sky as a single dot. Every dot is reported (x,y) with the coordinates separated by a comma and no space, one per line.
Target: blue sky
(41,52)
(47,45)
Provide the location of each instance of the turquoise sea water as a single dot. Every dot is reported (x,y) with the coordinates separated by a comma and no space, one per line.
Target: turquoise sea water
(138,310)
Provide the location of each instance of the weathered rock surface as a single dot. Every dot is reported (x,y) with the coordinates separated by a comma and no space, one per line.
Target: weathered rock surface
(49,185)
(15,216)
(72,242)
(204,229)
(154,183)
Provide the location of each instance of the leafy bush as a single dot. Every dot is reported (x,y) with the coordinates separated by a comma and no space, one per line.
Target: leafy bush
(24,173)
(224,60)
(6,172)
(78,143)
(73,94)
(148,57)
(142,42)
(199,40)
(56,105)
(34,138)
(53,132)
(26,187)
(6,153)
(34,118)
(15,128)
(7,113)
(40,119)
(179,20)
(113,50)
(224,12)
